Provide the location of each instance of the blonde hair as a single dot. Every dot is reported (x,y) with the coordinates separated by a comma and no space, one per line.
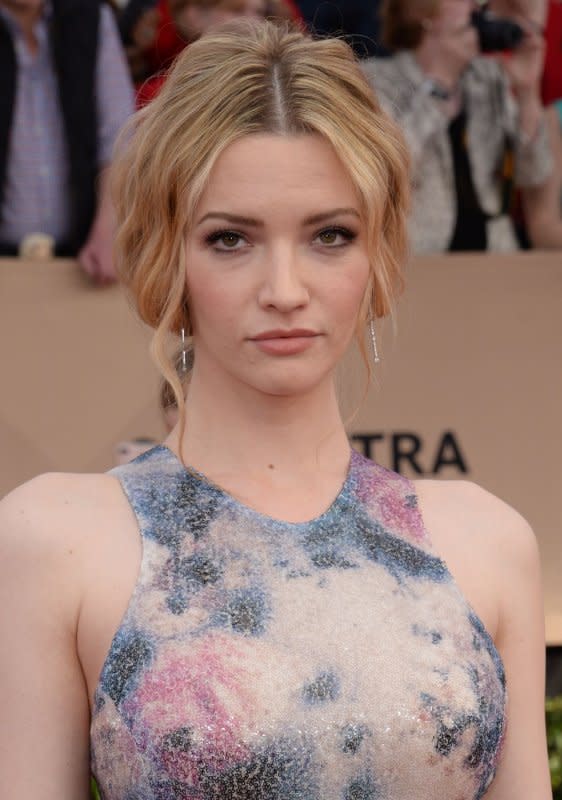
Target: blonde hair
(248,78)
(403,22)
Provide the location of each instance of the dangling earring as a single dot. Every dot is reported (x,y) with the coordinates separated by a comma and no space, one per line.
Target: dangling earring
(373,333)
(183,352)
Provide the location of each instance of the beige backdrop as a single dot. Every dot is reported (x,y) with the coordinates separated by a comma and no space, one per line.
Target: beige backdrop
(477,355)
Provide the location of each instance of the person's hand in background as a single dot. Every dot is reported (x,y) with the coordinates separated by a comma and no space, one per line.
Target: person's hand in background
(524,67)
(96,256)
(524,64)
(534,11)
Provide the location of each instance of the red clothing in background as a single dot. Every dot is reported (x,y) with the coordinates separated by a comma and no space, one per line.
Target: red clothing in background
(552,74)
(168,42)
(160,56)
(167,46)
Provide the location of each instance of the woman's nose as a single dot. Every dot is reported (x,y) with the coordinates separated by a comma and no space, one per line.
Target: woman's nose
(282,286)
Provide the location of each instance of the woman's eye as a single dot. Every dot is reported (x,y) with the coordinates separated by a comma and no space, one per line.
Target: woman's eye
(335,237)
(225,240)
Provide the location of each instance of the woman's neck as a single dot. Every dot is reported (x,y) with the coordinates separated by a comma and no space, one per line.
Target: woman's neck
(234,430)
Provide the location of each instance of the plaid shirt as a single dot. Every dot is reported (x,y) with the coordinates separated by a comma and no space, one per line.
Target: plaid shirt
(36,194)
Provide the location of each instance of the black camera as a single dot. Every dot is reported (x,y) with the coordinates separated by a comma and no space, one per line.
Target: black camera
(496,33)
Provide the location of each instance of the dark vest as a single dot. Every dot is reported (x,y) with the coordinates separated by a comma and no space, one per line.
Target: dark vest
(74,41)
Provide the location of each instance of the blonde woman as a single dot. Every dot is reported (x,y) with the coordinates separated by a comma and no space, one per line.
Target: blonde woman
(252,610)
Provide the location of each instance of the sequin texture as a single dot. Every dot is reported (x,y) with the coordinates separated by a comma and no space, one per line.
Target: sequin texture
(261,660)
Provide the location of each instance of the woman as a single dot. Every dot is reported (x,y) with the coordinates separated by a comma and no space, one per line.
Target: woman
(467,120)
(285,625)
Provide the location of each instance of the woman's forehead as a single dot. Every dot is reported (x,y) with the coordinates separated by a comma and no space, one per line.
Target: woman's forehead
(277,167)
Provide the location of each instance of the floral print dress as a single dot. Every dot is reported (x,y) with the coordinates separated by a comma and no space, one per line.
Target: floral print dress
(334,659)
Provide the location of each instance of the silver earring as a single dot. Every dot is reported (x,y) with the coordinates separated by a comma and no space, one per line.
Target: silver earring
(373,333)
(183,352)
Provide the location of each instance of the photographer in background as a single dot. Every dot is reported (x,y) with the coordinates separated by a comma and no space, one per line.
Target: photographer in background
(474,124)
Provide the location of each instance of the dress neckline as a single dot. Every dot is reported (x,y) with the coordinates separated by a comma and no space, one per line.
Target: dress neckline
(340,500)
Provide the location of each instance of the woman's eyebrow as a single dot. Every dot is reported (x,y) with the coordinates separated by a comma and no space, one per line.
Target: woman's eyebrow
(326,215)
(314,219)
(235,218)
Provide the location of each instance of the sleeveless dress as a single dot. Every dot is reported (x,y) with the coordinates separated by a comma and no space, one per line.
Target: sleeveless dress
(334,659)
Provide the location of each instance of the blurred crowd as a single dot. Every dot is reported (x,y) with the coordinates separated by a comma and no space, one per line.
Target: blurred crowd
(476,89)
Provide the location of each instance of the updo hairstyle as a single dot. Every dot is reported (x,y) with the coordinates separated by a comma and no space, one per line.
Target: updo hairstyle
(249,78)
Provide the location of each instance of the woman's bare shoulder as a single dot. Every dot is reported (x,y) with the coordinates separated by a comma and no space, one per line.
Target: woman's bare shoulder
(49,529)
(489,547)
(496,561)
(50,516)
(466,509)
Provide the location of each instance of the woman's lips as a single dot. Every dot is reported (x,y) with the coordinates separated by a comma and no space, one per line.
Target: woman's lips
(285,343)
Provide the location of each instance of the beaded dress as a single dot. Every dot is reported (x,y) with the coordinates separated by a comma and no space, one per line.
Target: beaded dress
(334,659)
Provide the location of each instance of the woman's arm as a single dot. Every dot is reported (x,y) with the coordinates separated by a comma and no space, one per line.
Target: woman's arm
(493,556)
(44,745)
(523,772)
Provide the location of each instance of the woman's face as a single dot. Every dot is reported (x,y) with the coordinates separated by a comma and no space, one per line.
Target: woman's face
(277,264)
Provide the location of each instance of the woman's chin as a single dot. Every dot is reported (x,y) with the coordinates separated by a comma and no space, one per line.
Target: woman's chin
(289,383)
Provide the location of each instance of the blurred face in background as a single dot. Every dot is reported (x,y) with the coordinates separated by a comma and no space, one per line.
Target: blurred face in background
(193,19)
(452,16)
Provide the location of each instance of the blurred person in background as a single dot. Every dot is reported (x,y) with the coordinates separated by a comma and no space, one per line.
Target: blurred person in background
(538,212)
(475,126)
(65,92)
(150,37)
(156,31)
